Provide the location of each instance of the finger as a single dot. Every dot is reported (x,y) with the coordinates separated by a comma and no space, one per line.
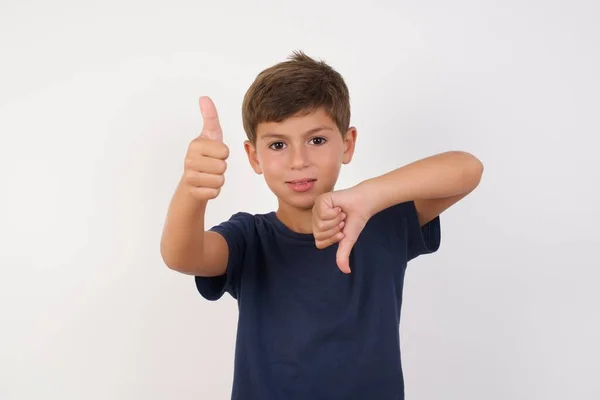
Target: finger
(206,164)
(352,229)
(211,127)
(203,193)
(321,244)
(343,254)
(209,147)
(328,213)
(322,235)
(204,180)
(324,225)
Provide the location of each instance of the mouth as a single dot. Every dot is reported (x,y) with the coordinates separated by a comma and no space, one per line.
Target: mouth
(300,181)
(301,185)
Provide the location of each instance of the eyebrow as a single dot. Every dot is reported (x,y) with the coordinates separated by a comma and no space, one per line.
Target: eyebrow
(273,135)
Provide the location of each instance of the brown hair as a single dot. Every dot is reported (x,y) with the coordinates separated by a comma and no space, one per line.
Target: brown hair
(299,85)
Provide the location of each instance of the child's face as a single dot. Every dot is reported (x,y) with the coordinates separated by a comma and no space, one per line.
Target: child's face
(301,157)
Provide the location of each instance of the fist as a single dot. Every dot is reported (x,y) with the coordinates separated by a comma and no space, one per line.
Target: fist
(328,222)
(205,160)
(339,217)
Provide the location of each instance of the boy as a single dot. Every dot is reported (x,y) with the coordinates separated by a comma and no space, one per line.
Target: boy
(319,281)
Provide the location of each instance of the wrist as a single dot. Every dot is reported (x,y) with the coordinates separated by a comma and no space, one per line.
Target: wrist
(370,195)
(382,192)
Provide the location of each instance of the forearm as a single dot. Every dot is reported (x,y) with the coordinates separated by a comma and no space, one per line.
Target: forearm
(440,176)
(182,238)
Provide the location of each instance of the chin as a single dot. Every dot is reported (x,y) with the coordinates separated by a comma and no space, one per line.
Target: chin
(297,200)
(301,204)
(304,201)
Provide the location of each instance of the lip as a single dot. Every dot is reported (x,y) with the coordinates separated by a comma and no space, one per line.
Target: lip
(301,185)
(298,181)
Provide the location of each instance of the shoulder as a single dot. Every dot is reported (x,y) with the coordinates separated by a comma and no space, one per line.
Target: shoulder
(399,215)
(239,218)
(243,225)
(240,223)
(400,224)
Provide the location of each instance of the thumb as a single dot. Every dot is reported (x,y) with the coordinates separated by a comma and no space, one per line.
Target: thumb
(351,232)
(211,128)
(343,254)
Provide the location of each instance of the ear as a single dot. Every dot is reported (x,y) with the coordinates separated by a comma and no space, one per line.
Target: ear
(252,156)
(349,144)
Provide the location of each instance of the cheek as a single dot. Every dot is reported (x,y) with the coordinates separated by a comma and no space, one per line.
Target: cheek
(272,165)
(330,161)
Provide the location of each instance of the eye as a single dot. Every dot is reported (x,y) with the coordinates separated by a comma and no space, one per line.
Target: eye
(318,141)
(277,146)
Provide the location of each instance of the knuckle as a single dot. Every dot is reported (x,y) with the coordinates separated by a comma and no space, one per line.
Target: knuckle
(214,181)
(189,163)
(220,166)
(193,143)
(196,144)
(225,151)
(188,175)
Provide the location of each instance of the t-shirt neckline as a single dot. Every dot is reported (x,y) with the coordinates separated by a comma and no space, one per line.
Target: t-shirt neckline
(282,228)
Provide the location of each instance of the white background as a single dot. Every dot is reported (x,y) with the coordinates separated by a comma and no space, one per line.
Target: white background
(99,100)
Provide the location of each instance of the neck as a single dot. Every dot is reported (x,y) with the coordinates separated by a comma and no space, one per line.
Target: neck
(297,220)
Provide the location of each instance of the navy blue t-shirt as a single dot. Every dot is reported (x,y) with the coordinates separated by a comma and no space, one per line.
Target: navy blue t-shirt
(305,329)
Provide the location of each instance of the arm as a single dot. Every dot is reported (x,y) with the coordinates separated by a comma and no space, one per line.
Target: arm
(185,245)
(434,184)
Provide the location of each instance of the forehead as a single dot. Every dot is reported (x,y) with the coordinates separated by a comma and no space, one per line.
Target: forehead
(297,125)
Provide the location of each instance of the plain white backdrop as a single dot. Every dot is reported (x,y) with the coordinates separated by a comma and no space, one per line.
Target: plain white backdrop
(99,100)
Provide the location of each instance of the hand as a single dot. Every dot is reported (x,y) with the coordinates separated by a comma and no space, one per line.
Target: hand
(339,217)
(205,161)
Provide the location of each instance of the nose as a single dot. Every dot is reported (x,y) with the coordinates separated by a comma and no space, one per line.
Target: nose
(299,157)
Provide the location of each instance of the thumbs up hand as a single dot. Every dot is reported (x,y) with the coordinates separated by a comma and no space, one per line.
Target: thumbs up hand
(205,161)
(340,217)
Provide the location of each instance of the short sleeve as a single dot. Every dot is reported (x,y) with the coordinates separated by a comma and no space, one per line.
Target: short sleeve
(238,233)
(403,220)
(424,239)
